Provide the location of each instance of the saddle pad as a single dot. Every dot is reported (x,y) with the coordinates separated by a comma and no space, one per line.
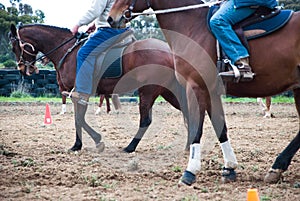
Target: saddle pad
(270,25)
(113,63)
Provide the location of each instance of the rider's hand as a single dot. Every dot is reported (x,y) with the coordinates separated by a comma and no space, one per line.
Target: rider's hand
(74,30)
(91,28)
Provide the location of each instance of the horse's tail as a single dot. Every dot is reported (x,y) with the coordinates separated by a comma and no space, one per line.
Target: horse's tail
(116,101)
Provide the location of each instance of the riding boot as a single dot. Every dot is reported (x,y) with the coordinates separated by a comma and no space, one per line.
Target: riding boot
(244,69)
(77,97)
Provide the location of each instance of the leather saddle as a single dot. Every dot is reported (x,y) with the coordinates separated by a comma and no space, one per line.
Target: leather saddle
(109,62)
(261,23)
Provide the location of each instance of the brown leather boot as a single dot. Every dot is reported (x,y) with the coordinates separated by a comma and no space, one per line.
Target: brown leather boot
(244,69)
(77,97)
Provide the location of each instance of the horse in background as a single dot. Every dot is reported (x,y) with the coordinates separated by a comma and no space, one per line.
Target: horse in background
(115,101)
(266,107)
(195,51)
(143,63)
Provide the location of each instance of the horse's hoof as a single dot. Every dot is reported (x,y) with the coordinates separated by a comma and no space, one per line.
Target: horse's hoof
(228,175)
(128,150)
(187,178)
(75,148)
(273,176)
(100,147)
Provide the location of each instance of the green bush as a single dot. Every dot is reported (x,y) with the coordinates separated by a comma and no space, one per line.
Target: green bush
(19,94)
(10,64)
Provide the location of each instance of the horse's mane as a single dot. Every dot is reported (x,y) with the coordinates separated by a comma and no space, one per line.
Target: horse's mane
(46,27)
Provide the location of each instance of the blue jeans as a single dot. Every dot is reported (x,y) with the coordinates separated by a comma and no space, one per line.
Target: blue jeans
(221,26)
(87,55)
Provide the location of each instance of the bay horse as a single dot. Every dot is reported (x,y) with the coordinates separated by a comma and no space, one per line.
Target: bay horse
(143,60)
(184,24)
(266,107)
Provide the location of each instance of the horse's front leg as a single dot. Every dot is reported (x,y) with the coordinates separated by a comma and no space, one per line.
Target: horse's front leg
(217,117)
(80,111)
(64,105)
(78,142)
(101,99)
(196,113)
(63,98)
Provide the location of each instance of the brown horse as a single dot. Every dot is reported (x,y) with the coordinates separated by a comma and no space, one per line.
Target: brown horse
(194,48)
(266,107)
(141,60)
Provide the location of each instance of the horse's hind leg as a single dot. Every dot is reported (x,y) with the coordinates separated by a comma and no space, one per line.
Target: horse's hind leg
(147,99)
(283,160)
(144,125)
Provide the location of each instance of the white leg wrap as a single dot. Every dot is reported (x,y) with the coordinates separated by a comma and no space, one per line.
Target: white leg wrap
(229,156)
(63,109)
(98,110)
(194,164)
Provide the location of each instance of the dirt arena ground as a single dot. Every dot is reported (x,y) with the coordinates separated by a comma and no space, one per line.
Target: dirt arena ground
(35,164)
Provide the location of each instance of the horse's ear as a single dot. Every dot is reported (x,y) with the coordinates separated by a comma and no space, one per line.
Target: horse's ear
(13,30)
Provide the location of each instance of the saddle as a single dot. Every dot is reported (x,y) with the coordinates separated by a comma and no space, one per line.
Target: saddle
(261,23)
(110,60)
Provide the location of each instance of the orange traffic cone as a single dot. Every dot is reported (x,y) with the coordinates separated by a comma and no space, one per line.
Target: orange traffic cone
(48,118)
(252,195)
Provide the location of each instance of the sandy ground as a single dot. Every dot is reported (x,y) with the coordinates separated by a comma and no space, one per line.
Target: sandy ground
(35,164)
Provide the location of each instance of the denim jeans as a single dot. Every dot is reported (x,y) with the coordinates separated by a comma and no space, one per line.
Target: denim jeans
(101,40)
(221,26)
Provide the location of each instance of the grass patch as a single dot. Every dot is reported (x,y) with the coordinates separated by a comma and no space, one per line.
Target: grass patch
(23,97)
(275,99)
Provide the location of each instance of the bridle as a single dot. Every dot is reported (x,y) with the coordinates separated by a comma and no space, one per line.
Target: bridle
(30,64)
(22,44)
(129,14)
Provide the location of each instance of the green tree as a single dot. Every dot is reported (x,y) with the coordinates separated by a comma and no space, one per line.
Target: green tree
(146,27)
(290,4)
(13,14)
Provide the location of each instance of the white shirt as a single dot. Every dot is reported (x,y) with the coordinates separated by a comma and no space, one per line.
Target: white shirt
(97,12)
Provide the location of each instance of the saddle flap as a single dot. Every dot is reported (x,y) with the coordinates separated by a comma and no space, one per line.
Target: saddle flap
(109,63)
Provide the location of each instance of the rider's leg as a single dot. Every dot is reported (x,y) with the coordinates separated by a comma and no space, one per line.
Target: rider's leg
(86,79)
(221,25)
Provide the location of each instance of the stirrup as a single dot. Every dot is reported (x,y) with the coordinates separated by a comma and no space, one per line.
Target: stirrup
(76,97)
(236,75)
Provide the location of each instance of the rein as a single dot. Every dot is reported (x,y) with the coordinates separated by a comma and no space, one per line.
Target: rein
(23,43)
(165,11)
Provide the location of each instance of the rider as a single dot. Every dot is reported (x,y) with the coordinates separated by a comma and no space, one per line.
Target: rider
(230,13)
(98,42)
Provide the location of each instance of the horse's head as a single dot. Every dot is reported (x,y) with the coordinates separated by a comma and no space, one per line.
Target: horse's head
(121,11)
(24,51)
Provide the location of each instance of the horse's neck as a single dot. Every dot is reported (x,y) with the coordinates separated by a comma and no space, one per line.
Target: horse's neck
(46,40)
